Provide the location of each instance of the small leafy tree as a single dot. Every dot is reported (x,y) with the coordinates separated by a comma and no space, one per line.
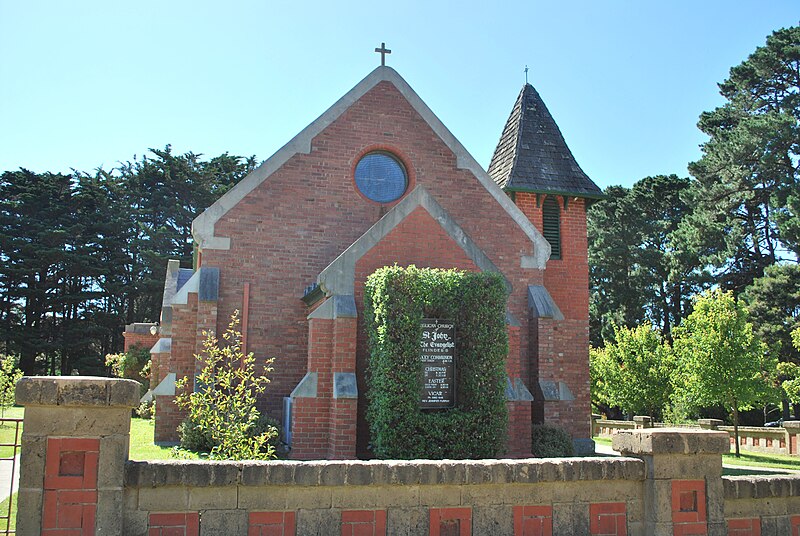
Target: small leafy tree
(9,376)
(223,404)
(790,371)
(721,360)
(633,372)
(598,374)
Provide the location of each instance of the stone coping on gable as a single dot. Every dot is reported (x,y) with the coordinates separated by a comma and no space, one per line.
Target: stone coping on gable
(203,225)
(761,486)
(76,391)
(142,474)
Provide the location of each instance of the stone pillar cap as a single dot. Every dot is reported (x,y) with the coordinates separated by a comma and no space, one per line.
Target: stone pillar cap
(670,441)
(76,391)
(791,424)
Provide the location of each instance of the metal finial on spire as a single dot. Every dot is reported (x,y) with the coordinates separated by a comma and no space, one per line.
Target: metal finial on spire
(526,74)
(383,51)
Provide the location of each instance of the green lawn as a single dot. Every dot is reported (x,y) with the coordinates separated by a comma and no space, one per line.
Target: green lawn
(3,512)
(603,440)
(757,459)
(143,448)
(8,431)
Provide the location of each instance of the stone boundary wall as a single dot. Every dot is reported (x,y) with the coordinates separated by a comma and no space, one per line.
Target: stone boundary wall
(490,495)
(779,440)
(76,478)
(760,504)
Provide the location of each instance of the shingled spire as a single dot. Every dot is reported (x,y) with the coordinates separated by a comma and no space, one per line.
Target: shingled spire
(532,155)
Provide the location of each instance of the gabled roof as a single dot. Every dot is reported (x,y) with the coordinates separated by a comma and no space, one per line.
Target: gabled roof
(203,225)
(533,156)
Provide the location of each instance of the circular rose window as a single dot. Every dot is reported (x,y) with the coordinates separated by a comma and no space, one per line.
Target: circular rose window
(381,177)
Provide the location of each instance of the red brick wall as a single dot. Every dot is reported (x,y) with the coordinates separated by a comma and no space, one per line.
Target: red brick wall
(325,427)
(561,348)
(143,340)
(305,214)
(182,363)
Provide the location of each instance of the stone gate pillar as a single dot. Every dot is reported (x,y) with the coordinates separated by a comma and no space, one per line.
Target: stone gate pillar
(74,448)
(683,487)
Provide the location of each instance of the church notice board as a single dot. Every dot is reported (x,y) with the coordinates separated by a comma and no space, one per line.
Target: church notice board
(437,353)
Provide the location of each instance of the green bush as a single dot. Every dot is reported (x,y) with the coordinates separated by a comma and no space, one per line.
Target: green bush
(395,302)
(146,410)
(10,374)
(194,437)
(223,400)
(549,441)
(197,439)
(132,365)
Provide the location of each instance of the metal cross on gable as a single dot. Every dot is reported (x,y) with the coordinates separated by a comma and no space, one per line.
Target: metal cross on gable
(383,51)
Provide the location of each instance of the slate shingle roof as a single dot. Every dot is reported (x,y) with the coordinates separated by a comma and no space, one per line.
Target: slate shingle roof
(533,156)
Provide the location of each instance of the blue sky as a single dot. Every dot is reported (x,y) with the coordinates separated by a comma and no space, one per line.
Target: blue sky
(89,84)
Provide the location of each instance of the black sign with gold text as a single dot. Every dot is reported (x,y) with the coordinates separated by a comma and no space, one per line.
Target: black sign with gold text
(437,352)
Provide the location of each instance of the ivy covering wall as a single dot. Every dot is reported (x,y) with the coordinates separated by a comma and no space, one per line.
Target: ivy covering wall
(395,302)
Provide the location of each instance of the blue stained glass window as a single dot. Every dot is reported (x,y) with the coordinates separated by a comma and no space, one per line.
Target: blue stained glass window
(380,177)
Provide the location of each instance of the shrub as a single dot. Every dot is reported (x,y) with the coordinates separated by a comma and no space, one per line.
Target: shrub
(223,402)
(549,441)
(146,410)
(9,376)
(194,437)
(395,302)
(197,439)
(133,365)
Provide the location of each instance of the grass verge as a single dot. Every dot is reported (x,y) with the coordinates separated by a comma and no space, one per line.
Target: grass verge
(8,432)
(12,522)
(758,459)
(143,448)
(603,440)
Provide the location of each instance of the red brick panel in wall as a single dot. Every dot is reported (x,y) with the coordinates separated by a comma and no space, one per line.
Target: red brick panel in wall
(450,522)
(689,507)
(533,521)
(174,524)
(70,486)
(744,527)
(608,519)
(364,523)
(794,522)
(271,524)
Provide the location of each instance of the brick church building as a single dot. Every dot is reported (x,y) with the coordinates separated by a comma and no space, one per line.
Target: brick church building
(376,180)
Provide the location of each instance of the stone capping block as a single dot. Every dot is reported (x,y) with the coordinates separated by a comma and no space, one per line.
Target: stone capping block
(205,473)
(77,391)
(670,441)
(761,487)
(793,425)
